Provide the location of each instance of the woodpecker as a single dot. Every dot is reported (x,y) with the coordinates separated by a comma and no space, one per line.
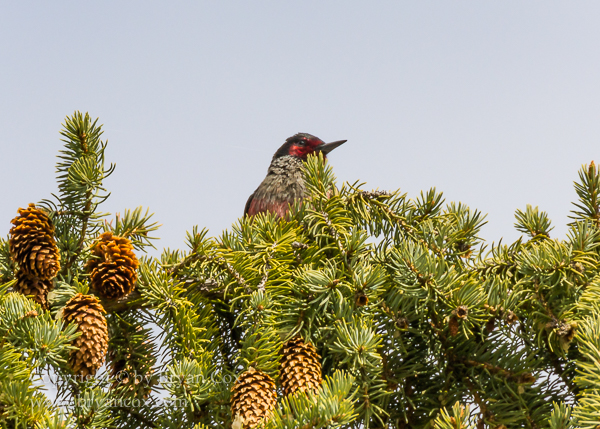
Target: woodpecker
(284,183)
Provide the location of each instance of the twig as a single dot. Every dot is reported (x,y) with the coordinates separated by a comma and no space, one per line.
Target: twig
(406,228)
(86,217)
(485,414)
(131,301)
(338,241)
(192,257)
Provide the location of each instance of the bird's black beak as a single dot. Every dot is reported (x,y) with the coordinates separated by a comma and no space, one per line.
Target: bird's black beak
(328,147)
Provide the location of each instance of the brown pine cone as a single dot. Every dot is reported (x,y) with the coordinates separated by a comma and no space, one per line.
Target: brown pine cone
(254,397)
(32,243)
(86,312)
(300,367)
(32,286)
(112,266)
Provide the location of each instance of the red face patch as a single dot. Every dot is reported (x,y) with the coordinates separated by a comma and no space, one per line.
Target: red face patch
(303,150)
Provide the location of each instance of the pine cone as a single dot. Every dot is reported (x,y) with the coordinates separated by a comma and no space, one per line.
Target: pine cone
(300,367)
(86,312)
(32,243)
(112,266)
(254,397)
(31,285)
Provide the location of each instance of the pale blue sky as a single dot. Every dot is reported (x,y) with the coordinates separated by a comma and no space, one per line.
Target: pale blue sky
(495,103)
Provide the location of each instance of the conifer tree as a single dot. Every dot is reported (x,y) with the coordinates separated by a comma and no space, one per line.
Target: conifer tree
(361,309)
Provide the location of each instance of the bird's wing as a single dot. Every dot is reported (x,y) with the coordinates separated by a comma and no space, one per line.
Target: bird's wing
(249,203)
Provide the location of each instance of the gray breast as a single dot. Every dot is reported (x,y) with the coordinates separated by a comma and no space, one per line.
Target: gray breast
(284,181)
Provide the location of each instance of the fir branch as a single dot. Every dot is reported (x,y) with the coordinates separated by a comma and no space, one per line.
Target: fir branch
(132,301)
(458,420)
(421,319)
(336,236)
(588,191)
(492,369)
(80,176)
(134,226)
(534,223)
(483,409)
(188,260)
(330,407)
(236,275)
(408,230)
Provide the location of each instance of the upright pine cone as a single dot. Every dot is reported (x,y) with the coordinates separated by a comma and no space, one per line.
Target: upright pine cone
(86,312)
(32,243)
(31,285)
(254,397)
(112,266)
(300,367)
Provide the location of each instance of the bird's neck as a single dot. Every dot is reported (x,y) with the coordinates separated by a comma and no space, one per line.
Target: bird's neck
(286,164)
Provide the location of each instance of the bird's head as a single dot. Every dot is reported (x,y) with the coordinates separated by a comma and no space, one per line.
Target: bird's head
(303,144)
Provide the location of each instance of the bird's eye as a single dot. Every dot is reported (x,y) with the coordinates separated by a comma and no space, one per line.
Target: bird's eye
(301,143)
